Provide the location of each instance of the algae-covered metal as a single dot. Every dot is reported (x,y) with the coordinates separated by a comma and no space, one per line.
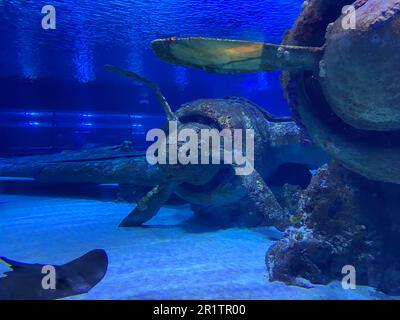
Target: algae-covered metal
(277,141)
(341,80)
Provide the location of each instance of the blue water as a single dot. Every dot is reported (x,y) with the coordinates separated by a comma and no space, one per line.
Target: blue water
(55,95)
(62,69)
(56,72)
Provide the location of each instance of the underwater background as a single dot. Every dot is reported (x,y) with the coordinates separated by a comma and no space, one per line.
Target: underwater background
(55,95)
(53,84)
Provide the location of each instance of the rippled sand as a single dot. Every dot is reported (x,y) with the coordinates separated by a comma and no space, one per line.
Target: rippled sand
(171,258)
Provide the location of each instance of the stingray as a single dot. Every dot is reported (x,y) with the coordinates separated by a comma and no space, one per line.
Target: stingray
(25,281)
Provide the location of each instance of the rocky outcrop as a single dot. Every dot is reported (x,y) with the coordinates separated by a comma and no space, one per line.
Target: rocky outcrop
(341,219)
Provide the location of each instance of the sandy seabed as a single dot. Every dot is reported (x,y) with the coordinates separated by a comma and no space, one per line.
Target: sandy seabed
(172,257)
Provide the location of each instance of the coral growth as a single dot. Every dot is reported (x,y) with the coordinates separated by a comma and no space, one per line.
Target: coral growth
(341,219)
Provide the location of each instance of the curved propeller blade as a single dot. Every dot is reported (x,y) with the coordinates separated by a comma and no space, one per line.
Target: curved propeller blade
(264,201)
(151,85)
(235,56)
(149,205)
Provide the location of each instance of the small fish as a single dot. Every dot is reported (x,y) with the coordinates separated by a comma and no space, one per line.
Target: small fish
(25,281)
